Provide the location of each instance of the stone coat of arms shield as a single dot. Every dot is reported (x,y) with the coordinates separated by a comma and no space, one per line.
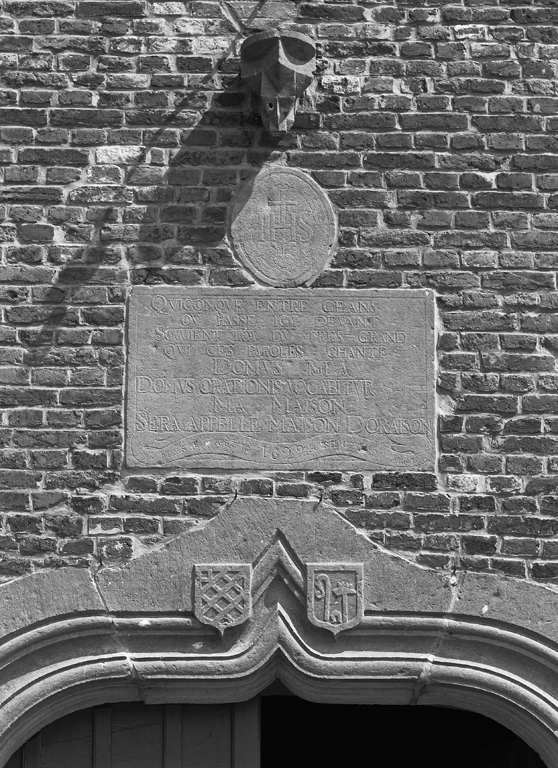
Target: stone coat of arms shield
(222,594)
(335,595)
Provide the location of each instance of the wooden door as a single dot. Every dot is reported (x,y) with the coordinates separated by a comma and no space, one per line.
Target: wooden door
(140,736)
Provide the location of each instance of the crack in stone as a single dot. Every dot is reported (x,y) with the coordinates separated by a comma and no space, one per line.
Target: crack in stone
(455,582)
(119,642)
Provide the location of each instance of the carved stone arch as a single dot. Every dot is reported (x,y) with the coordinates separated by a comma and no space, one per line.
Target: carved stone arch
(157,631)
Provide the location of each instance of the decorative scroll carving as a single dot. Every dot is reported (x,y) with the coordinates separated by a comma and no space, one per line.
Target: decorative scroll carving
(278,67)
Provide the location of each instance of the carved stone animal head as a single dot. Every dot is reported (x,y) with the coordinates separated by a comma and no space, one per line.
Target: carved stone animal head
(278,66)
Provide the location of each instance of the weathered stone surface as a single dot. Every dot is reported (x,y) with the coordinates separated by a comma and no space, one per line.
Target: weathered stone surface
(278,66)
(289,379)
(44,595)
(475,641)
(293,535)
(283,226)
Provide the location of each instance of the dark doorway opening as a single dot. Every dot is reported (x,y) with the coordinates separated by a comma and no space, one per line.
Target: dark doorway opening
(293,733)
(297,732)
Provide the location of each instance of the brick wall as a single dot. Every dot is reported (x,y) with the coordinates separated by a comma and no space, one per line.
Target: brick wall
(125,131)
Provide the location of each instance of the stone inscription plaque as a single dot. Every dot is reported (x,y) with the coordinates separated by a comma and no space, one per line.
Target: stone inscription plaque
(282,379)
(283,226)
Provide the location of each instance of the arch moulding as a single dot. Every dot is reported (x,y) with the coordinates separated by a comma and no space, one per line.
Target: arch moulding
(220,612)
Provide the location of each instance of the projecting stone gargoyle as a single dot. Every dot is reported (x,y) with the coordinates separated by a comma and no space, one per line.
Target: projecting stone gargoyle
(278,66)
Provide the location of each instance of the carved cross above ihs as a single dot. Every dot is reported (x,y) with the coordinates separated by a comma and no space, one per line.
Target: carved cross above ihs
(283,215)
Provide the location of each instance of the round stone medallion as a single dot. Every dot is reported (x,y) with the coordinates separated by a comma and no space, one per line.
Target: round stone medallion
(283,227)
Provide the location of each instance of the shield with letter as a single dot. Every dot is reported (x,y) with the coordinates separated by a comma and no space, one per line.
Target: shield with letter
(335,595)
(222,594)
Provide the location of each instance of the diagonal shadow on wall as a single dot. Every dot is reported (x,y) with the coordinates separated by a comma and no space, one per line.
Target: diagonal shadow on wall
(161,220)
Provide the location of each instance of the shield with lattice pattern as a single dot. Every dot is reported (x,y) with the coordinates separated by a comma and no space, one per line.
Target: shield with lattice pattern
(222,594)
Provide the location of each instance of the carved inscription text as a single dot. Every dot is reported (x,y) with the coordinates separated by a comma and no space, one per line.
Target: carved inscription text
(307,379)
